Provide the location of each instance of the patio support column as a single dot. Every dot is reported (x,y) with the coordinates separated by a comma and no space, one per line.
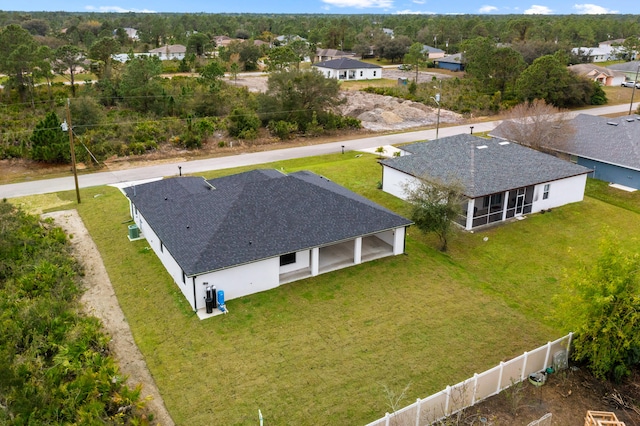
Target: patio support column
(504,205)
(470,213)
(315,261)
(398,241)
(357,251)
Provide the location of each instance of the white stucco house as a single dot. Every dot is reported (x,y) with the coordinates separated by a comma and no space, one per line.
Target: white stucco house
(500,180)
(170,51)
(256,230)
(349,69)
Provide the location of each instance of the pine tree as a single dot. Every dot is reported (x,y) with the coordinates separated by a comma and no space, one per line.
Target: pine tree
(48,142)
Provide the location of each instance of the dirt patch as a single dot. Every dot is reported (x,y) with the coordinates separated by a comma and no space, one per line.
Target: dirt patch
(567,395)
(377,112)
(100,301)
(382,113)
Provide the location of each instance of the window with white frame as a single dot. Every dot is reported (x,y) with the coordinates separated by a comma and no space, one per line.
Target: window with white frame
(545,193)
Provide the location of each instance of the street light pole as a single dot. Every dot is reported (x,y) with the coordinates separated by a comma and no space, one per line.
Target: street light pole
(635,83)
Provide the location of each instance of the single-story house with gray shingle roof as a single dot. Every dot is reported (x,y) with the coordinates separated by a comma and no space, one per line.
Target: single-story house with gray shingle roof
(602,75)
(256,230)
(168,52)
(500,180)
(608,146)
(453,62)
(630,69)
(349,69)
(433,52)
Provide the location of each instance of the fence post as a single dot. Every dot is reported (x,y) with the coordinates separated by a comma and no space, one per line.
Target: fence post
(446,404)
(569,344)
(546,358)
(500,377)
(524,365)
(418,412)
(475,388)
(386,419)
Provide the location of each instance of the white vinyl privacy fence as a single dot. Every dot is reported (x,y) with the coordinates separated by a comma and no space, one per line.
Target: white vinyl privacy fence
(456,398)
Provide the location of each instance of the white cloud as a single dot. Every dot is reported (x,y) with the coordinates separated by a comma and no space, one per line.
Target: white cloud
(413,12)
(487,9)
(592,9)
(116,9)
(360,4)
(419,1)
(538,10)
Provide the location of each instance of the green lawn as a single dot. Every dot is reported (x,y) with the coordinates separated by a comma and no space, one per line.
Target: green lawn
(322,350)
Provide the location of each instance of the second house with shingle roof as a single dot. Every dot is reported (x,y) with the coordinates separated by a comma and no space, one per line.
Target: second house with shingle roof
(349,69)
(500,180)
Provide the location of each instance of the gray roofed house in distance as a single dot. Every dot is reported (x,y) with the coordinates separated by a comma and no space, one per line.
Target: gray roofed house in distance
(608,146)
(253,231)
(349,69)
(501,180)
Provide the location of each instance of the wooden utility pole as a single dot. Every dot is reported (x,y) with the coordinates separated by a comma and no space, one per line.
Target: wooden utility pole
(73,151)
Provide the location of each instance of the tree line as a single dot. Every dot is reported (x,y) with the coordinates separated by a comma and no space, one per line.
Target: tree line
(330,31)
(130,108)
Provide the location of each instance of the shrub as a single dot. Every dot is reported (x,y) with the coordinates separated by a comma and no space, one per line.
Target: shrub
(282,129)
(55,366)
(243,123)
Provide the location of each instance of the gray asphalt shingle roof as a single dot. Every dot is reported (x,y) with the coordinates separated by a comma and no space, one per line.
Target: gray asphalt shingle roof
(595,138)
(216,224)
(345,64)
(482,166)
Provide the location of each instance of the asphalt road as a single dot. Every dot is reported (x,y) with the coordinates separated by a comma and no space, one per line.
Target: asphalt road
(195,166)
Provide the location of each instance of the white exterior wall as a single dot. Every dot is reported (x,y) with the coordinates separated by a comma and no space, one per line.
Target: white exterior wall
(395,182)
(360,73)
(398,243)
(561,192)
(386,236)
(241,280)
(302,262)
(166,258)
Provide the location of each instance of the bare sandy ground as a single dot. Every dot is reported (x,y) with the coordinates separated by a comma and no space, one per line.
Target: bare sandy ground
(100,301)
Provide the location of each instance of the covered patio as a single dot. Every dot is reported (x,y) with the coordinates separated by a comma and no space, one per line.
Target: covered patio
(344,254)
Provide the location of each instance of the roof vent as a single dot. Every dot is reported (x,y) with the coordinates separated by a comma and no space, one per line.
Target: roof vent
(612,123)
(503,143)
(482,147)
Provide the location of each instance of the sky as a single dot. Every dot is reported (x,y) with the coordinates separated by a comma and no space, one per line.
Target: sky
(491,7)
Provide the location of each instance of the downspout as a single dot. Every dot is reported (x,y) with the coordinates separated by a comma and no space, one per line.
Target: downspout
(406,231)
(195,301)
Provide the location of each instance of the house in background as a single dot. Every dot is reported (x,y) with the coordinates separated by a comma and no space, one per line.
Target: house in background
(630,69)
(254,231)
(451,62)
(604,76)
(608,146)
(349,69)
(594,54)
(223,40)
(606,51)
(433,52)
(329,54)
(169,52)
(500,180)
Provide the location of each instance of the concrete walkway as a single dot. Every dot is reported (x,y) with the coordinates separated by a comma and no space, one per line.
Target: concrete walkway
(197,166)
